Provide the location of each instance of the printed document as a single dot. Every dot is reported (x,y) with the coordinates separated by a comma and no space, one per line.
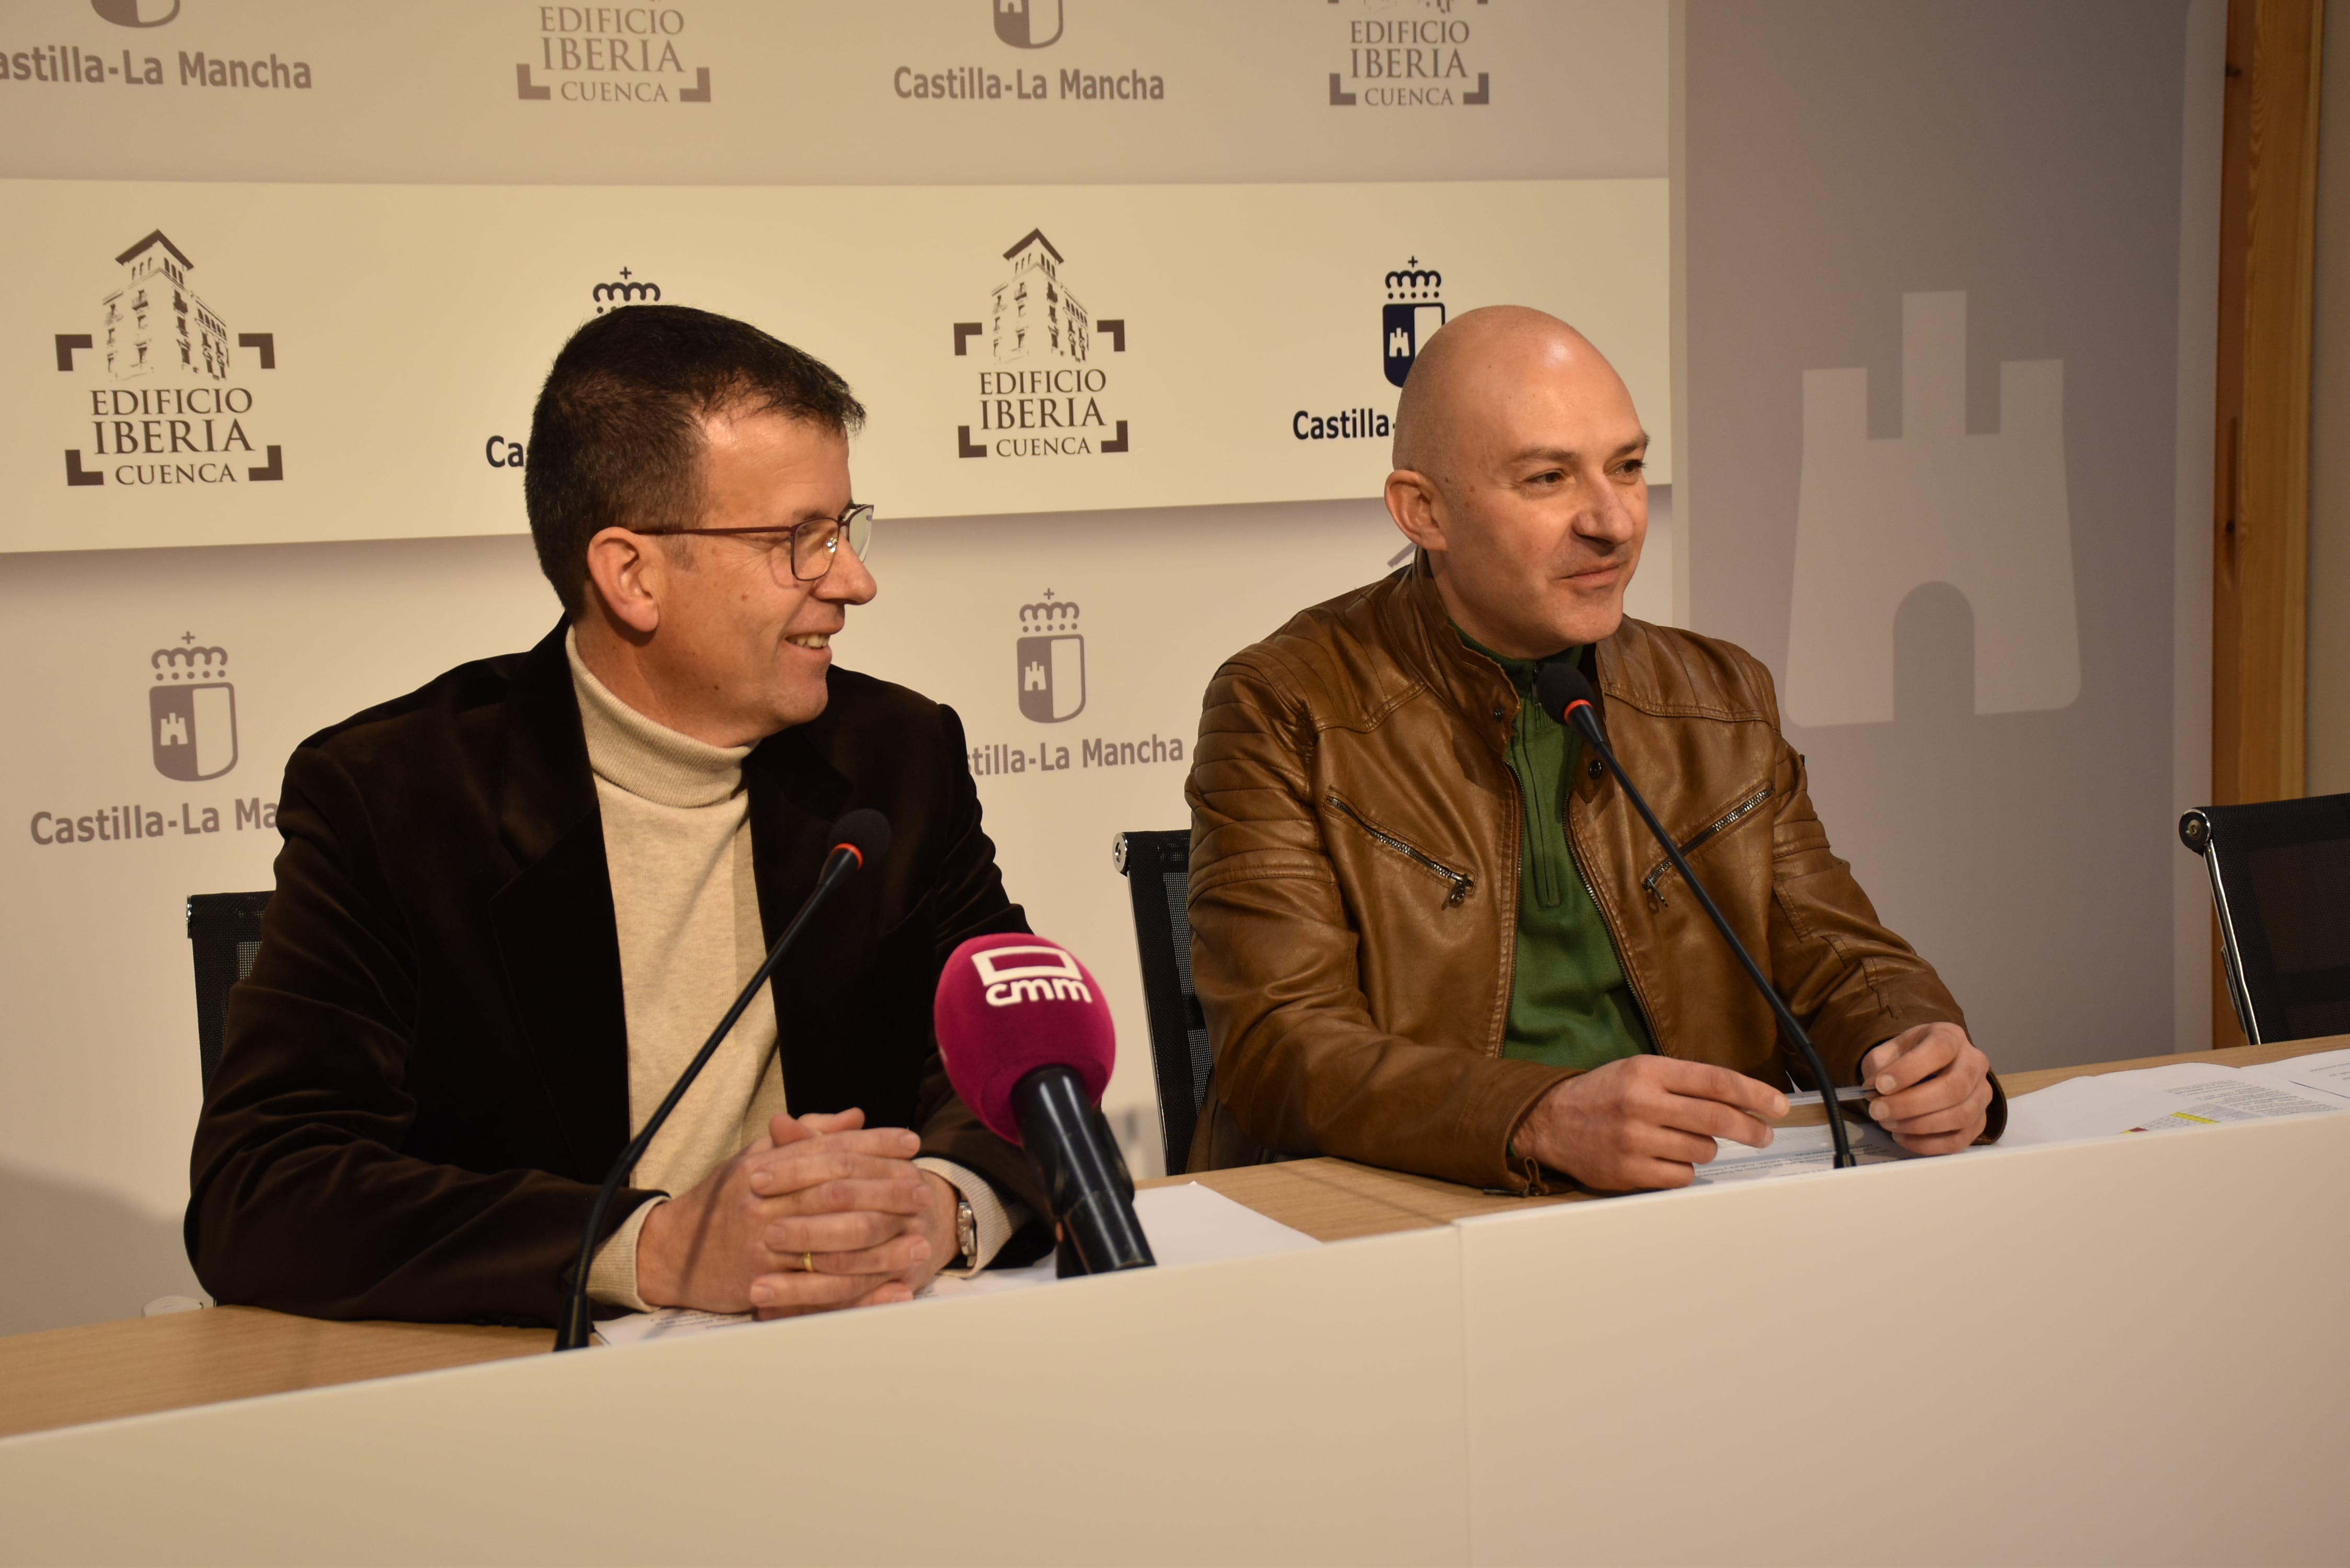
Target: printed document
(2179,1097)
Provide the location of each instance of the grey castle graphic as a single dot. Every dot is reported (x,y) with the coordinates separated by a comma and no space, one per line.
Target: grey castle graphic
(1414,310)
(191,712)
(1052,660)
(1027,24)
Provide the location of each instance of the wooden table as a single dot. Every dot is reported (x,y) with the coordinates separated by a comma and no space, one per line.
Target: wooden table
(66,1377)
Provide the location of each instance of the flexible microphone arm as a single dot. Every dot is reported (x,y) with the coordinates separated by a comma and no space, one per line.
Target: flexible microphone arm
(860,836)
(1567,697)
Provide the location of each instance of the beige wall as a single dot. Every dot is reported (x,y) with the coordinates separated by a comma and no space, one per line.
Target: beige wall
(2329,430)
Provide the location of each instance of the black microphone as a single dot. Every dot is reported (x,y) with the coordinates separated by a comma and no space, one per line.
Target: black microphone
(858,839)
(1567,697)
(1029,1044)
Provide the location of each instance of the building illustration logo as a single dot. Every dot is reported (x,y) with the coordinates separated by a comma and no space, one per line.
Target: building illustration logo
(164,406)
(1052,660)
(1414,310)
(1027,24)
(1046,398)
(191,712)
(1987,515)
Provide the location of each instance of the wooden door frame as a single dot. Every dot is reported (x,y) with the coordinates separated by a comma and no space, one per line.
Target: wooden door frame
(2259,565)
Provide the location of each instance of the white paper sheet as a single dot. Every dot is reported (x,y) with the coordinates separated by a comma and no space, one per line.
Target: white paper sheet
(2325,1072)
(2179,1097)
(1186,1224)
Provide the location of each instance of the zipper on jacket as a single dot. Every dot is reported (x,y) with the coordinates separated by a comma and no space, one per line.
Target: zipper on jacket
(1727,820)
(1631,981)
(1463,883)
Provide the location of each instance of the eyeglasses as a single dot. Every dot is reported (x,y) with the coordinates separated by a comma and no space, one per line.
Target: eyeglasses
(807,547)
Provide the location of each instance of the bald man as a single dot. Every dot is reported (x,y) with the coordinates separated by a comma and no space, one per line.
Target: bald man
(1429,934)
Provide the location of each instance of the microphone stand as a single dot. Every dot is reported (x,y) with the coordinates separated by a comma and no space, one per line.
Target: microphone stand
(1580,713)
(572,1329)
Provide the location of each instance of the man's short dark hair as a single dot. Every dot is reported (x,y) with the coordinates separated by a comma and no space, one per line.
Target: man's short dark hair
(617,437)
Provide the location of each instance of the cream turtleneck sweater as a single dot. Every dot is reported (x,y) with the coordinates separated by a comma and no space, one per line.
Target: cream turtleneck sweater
(677,837)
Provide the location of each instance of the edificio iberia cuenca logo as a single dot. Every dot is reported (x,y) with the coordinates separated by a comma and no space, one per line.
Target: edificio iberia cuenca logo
(1048,395)
(611,54)
(164,400)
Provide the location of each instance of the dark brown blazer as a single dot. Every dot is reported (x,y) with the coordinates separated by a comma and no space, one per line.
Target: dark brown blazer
(425,1076)
(1354,848)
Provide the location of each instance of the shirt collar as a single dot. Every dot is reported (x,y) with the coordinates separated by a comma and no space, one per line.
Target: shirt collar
(1521,671)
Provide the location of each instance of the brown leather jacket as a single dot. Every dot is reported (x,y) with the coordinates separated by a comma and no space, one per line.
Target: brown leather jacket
(1354,890)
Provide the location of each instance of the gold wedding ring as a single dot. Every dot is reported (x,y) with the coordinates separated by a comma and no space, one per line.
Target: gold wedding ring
(808,1261)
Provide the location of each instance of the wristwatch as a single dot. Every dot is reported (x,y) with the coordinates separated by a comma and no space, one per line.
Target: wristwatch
(966,1236)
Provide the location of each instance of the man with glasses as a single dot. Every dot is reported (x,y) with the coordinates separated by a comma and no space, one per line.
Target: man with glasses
(512,904)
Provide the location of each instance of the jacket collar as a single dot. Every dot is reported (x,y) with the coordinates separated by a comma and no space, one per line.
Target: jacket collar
(1423,636)
(545,787)
(556,930)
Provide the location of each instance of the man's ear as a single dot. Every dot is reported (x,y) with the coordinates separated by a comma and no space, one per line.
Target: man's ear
(628,574)
(1413,503)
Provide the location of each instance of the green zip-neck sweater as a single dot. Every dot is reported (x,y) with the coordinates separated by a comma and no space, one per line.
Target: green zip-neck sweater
(1570,1005)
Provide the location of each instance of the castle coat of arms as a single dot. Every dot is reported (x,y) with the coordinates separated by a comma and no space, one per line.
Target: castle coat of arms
(191,712)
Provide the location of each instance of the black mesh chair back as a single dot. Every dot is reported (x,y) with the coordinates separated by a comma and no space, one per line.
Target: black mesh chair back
(2280,883)
(1158,867)
(224,929)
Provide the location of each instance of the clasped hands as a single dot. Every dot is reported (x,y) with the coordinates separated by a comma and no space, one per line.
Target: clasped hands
(1649,1121)
(822,1213)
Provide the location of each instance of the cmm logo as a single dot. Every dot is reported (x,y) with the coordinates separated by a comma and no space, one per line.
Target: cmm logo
(1009,976)
(1414,310)
(191,712)
(1027,24)
(164,405)
(1045,399)
(1052,660)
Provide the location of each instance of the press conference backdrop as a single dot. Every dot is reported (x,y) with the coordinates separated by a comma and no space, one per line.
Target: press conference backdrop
(283,279)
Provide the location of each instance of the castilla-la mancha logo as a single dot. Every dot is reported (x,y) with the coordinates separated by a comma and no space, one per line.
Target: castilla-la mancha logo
(1414,310)
(164,404)
(1052,660)
(1027,24)
(625,288)
(132,14)
(191,712)
(1045,397)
